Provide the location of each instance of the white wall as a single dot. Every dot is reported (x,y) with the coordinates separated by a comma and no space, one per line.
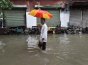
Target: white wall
(31,21)
(64,18)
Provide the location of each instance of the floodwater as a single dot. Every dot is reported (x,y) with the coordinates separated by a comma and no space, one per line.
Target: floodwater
(61,50)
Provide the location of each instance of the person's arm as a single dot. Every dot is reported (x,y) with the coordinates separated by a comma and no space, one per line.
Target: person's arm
(43,33)
(42,39)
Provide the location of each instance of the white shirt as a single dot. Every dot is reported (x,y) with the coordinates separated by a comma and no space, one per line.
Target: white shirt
(43,34)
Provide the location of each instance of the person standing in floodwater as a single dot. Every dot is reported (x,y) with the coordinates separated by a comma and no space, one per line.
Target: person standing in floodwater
(43,35)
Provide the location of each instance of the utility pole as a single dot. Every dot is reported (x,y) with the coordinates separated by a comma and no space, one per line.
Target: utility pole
(28,5)
(81,18)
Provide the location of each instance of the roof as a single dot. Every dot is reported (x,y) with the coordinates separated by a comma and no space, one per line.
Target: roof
(78,2)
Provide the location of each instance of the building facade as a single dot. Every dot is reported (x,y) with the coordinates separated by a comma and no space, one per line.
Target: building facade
(79,13)
(17,16)
(53,6)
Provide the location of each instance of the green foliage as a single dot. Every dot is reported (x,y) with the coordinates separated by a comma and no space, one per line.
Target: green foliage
(5,4)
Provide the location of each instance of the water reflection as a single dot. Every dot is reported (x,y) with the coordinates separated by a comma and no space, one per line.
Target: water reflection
(61,50)
(32,42)
(2,47)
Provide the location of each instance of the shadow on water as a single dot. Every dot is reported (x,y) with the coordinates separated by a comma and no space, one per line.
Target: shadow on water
(61,50)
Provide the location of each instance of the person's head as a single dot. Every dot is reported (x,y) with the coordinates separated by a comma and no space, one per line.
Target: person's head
(42,20)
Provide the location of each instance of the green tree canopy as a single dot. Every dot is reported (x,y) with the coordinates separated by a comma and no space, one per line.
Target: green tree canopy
(5,4)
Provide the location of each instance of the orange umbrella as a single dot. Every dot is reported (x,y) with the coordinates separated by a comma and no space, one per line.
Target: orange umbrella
(41,14)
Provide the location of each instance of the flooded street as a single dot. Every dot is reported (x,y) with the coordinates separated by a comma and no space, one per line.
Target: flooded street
(61,50)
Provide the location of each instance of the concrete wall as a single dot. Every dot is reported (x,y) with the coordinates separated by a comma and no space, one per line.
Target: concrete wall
(64,18)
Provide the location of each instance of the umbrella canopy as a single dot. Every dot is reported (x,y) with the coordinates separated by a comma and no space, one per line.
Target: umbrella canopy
(41,14)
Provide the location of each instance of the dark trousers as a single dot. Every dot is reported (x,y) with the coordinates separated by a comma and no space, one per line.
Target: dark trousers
(42,45)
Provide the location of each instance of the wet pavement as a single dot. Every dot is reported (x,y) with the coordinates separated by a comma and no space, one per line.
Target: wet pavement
(61,50)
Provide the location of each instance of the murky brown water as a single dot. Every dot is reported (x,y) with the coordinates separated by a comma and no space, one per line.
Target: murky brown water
(61,50)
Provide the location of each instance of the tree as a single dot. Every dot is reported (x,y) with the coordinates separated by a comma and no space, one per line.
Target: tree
(4,4)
